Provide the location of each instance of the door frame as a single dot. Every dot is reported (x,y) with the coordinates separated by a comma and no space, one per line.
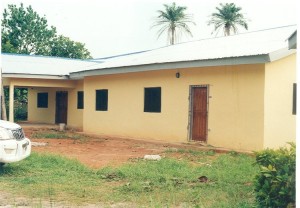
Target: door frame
(56,105)
(190,125)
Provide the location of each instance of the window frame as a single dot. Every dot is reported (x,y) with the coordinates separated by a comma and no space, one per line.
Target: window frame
(152,101)
(80,99)
(101,101)
(42,99)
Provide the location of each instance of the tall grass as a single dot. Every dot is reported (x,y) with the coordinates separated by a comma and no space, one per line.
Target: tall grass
(176,183)
(165,183)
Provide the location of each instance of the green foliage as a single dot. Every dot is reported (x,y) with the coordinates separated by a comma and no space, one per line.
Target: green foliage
(20,112)
(7,47)
(50,176)
(64,47)
(175,183)
(20,95)
(24,31)
(49,135)
(228,17)
(192,152)
(54,134)
(140,183)
(20,103)
(174,21)
(275,184)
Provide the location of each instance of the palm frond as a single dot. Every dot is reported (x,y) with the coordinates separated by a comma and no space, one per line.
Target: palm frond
(162,30)
(173,21)
(229,17)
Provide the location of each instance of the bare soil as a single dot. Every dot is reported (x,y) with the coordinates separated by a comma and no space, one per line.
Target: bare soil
(97,152)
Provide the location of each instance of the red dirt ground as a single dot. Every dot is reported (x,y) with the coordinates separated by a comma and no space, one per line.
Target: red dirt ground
(98,152)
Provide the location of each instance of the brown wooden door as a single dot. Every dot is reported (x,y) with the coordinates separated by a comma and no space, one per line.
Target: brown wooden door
(199,113)
(61,112)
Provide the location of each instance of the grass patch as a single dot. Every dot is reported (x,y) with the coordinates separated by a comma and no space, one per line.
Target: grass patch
(170,182)
(52,134)
(191,151)
(52,178)
(166,183)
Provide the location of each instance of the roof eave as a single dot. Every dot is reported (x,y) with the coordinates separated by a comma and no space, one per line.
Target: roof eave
(281,53)
(292,41)
(35,76)
(256,59)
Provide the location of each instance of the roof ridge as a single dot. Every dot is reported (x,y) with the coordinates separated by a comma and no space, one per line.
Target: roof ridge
(247,32)
(120,55)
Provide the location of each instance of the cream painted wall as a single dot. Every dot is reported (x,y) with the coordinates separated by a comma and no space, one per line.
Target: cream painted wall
(280,124)
(34,82)
(250,106)
(75,116)
(235,107)
(41,115)
(47,115)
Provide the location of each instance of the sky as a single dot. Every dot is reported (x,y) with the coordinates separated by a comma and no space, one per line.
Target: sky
(114,27)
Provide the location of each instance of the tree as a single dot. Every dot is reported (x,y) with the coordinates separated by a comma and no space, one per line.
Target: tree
(229,18)
(64,47)
(173,21)
(6,47)
(24,31)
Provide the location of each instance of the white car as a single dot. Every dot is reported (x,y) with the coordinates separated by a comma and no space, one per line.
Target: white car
(14,146)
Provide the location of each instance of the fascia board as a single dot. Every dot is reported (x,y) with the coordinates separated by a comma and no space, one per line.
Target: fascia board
(264,58)
(276,55)
(292,40)
(34,76)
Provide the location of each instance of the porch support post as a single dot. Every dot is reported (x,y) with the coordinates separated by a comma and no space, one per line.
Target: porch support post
(11,102)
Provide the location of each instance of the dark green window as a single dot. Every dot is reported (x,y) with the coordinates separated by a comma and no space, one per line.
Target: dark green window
(101,100)
(42,100)
(80,97)
(294,99)
(152,99)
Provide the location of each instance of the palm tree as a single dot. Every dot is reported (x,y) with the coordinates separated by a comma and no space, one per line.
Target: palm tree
(173,21)
(229,18)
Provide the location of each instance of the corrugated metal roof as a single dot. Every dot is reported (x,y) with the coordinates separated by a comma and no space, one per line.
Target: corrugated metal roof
(41,65)
(246,44)
(117,56)
(221,48)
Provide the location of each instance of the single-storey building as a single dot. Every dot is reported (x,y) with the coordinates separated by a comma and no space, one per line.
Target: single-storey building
(234,92)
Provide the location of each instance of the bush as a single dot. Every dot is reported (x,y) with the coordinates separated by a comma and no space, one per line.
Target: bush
(20,111)
(275,184)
